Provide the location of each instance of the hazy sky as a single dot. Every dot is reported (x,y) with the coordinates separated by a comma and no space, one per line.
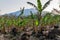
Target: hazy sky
(7,6)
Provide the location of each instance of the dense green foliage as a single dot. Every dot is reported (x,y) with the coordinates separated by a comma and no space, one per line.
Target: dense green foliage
(48,19)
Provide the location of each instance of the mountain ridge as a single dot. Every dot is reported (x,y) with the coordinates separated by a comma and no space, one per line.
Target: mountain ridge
(26,12)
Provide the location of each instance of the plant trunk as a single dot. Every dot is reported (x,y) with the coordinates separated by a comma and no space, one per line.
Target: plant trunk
(39,18)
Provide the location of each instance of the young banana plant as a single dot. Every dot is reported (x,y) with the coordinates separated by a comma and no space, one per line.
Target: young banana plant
(32,17)
(47,19)
(56,19)
(20,23)
(22,12)
(39,7)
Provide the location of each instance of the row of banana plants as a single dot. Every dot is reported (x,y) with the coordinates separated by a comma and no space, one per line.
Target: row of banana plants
(31,20)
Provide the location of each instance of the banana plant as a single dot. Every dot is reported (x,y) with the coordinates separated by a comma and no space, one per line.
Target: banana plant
(49,19)
(32,17)
(19,17)
(46,19)
(2,24)
(22,23)
(35,20)
(22,12)
(39,7)
(57,19)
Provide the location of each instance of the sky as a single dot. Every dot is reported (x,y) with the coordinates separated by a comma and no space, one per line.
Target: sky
(7,6)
